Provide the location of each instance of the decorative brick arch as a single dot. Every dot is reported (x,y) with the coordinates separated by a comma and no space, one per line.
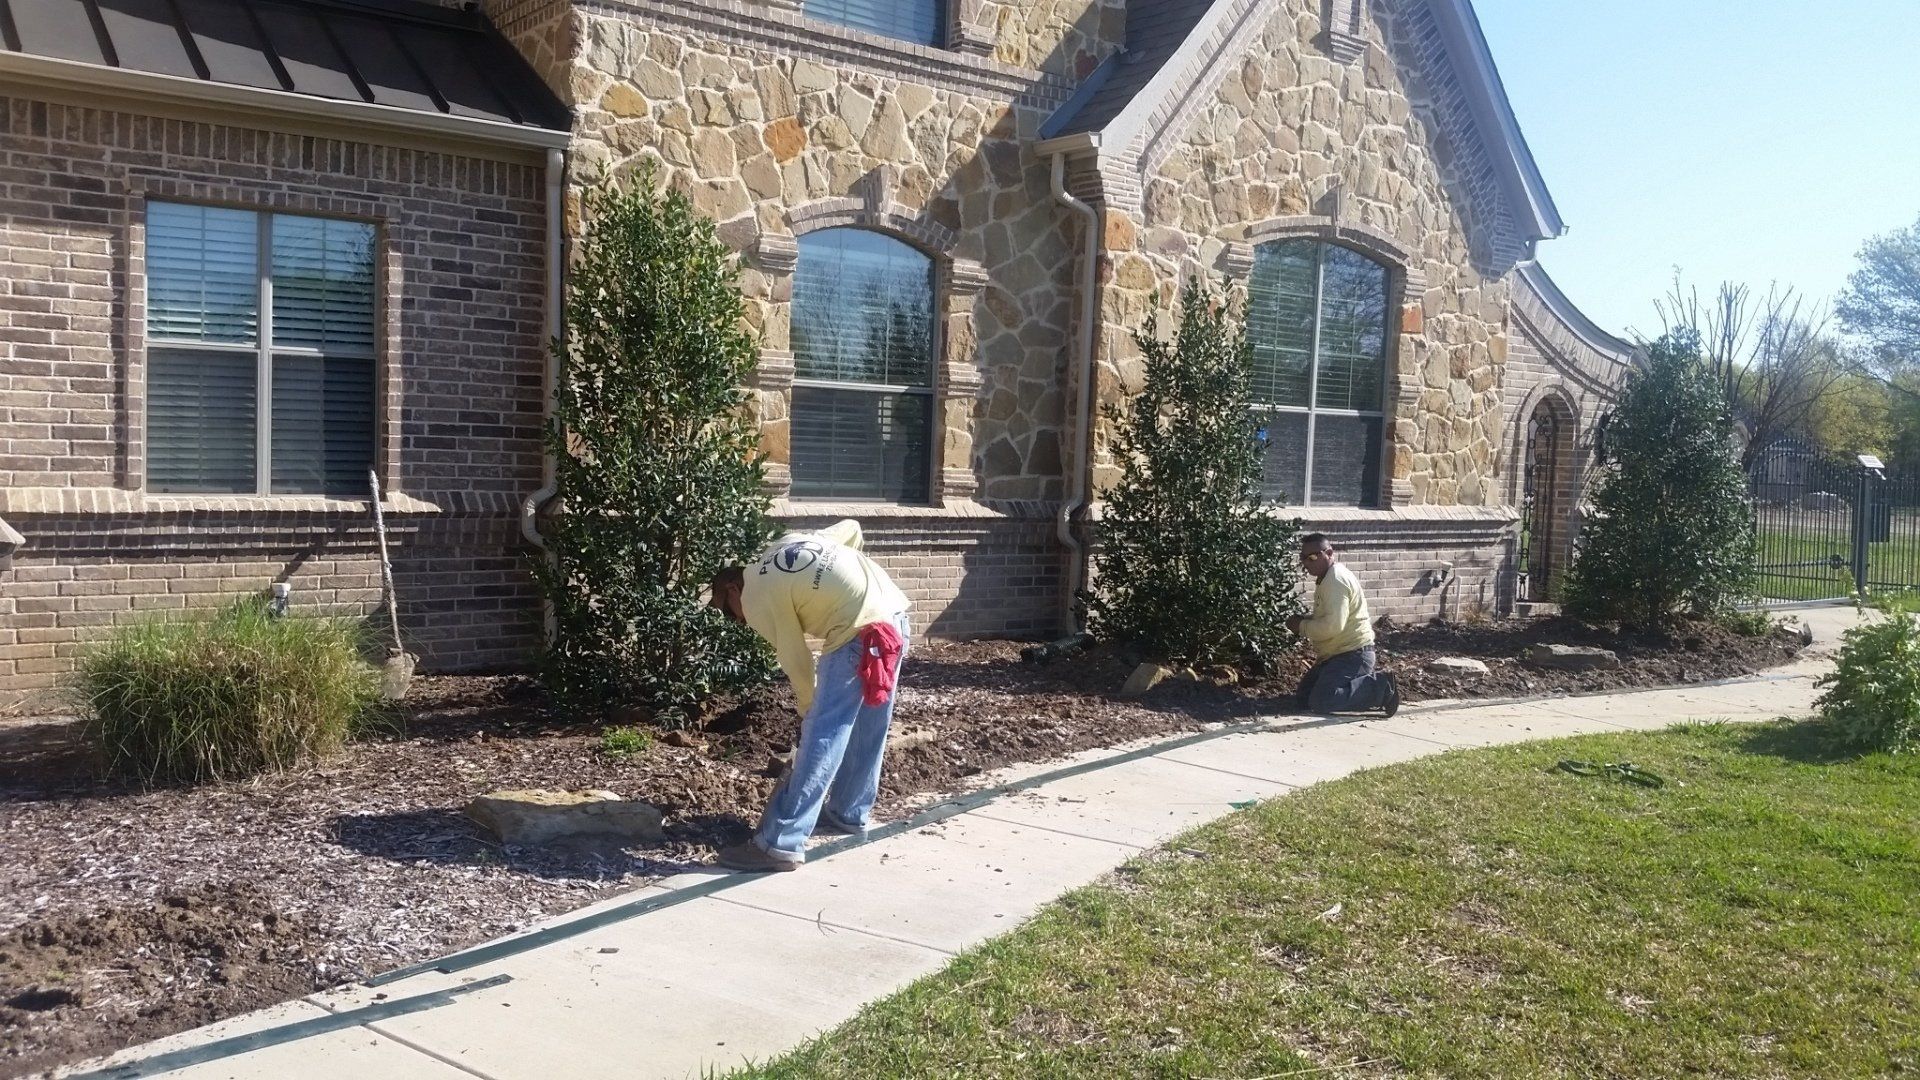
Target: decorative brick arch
(956,284)
(1552,388)
(1554,518)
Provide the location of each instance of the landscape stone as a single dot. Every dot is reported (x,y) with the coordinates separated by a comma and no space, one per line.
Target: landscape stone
(533,818)
(1459,665)
(1570,657)
(1144,678)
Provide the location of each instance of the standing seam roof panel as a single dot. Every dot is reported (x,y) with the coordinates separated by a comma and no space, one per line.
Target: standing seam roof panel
(398,53)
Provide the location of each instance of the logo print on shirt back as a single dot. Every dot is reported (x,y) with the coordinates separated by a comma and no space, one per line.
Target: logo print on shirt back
(796,557)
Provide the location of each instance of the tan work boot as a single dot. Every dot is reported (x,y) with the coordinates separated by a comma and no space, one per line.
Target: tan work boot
(751,858)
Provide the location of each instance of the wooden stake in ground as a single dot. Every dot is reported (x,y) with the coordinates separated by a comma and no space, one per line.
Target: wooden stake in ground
(397,673)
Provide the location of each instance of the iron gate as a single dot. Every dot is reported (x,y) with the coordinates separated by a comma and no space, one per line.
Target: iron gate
(1539,505)
(1826,528)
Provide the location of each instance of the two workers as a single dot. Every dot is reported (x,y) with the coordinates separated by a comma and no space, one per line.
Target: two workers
(820,585)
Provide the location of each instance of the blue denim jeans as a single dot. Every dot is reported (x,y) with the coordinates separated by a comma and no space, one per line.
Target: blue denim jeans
(836,763)
(1343,683)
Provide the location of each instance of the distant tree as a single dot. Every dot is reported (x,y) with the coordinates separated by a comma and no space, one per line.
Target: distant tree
(1855,415)
(1881,303)
(1771,356)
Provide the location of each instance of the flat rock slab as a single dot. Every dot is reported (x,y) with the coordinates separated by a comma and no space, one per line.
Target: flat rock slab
(1570,657)
(534,818)
(1460,665)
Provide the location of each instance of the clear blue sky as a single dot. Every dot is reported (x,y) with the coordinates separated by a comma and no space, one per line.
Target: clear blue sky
(1745,140)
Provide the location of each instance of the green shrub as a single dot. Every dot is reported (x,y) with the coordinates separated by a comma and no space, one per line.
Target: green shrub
(625,741)
(1670,534)
(1873,693)
(223,695)
(657,462)
(1193,567)
(1748,623)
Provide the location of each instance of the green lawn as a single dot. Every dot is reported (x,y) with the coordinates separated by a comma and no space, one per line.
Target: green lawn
(1798,567)
(1475,914)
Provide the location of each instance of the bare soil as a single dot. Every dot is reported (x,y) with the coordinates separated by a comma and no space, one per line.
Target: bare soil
(126,915)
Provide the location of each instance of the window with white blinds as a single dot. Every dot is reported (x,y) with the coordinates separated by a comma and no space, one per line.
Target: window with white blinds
(1317,321)
(260,352)
(862,418)
(922,22)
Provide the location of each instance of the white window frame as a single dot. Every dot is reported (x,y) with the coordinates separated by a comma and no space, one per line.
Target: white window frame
(928,390)
(1312,410)
(264,351)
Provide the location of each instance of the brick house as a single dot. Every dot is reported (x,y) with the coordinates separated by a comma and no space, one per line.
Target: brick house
(255,247)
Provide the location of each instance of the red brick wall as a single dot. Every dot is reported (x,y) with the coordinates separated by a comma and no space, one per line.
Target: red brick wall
(462,283)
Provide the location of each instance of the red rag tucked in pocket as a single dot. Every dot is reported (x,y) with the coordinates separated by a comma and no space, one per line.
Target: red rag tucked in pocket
(880,648)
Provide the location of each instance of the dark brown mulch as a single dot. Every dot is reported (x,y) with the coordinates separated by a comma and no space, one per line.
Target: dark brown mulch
(126,915)
(1697,652)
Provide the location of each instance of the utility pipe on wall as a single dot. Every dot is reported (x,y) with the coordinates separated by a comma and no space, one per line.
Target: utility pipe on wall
(1078,482)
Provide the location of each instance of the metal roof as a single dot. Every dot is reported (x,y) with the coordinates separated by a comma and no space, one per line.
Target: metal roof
(398,53)
(1155,31)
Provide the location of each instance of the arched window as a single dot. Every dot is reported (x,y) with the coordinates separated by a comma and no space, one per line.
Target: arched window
(1317,321)
(918,21)
(863,368)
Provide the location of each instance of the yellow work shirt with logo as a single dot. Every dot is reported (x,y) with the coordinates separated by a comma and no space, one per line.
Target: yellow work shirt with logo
(816,585)
(1339,622)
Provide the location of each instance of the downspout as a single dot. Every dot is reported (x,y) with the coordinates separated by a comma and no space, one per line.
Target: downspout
(530,507)
(1077,483)
(556,240)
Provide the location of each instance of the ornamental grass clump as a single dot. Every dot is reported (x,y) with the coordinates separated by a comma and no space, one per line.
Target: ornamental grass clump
(224,695)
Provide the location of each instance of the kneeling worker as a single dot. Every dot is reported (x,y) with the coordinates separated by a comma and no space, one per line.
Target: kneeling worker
(1341,633)
(819,585)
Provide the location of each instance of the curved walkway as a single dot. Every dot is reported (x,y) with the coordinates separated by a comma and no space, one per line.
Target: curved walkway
(704,972)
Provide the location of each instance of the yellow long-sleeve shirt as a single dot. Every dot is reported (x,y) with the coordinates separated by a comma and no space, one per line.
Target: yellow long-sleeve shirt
(816,585)
(1339,622)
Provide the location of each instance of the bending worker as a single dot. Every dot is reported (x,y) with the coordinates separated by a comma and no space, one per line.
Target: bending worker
(1341,633)
(819,585)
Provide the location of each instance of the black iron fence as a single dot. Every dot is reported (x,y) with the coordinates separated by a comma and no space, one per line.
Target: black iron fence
(1827,528)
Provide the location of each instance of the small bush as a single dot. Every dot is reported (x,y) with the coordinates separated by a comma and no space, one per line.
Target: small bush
(1873,693)
(625,741)
(182,700)
(1193,565)
(1671,535)
(1748,623)
(657,462)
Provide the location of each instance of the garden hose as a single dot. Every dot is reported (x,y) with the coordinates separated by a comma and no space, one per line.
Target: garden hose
(1624,770)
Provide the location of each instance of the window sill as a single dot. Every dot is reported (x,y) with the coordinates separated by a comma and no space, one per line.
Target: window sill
(1418,515)
(833,43)
(786,509)
(119,501)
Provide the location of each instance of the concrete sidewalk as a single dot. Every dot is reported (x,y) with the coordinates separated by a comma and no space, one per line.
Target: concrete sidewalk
(759,965)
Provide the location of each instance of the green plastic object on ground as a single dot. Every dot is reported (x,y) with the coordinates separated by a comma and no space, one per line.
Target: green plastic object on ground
(1624,770)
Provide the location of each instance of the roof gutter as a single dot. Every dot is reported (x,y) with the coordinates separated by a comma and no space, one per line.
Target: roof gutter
(42,71)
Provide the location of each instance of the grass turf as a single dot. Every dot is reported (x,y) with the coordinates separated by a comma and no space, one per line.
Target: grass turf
(1474,914)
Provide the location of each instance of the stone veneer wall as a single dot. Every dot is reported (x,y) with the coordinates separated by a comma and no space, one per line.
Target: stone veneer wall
(1295,143)
(777,125)
(461,289)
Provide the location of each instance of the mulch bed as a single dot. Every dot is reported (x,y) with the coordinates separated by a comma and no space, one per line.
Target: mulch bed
(126,915)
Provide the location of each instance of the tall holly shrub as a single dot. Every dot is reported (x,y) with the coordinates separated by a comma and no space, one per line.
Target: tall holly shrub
(1192,564)
(1671,534)
(658,468)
